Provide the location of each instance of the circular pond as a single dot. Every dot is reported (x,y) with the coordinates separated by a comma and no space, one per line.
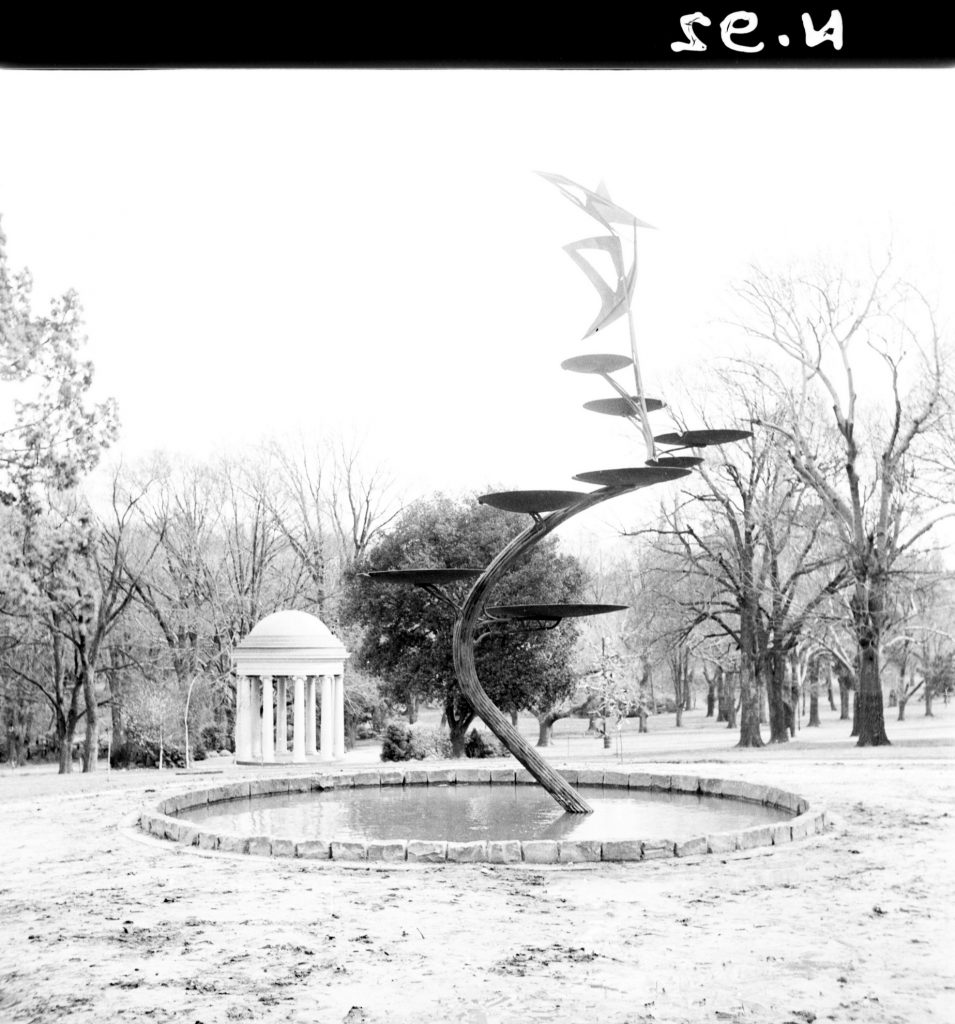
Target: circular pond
(472,814)
(464,814)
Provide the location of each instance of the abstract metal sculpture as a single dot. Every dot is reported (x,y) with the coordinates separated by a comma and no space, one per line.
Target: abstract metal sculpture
(550,509)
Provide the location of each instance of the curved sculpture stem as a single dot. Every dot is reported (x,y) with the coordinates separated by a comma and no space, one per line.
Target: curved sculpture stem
(463,649)
(638,377)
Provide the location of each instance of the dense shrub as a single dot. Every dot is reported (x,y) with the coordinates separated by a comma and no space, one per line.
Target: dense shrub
(477,745)
(397,742)
(144,753)
(404,742)
(365,709)
(427,741)
(212,738)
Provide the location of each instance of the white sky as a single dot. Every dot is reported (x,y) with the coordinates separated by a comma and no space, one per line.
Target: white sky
(269,251)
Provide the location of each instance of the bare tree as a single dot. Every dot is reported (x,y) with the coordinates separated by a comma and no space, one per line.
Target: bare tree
(886,496)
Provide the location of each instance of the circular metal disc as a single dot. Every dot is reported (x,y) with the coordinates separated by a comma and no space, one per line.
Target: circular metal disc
(638,476)
(599,363)
(531,501)
(676,461)
(701,438)
(552,611)
(620,406)
(416,577)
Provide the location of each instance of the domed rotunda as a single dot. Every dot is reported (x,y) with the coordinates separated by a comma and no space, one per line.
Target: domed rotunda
(289,654)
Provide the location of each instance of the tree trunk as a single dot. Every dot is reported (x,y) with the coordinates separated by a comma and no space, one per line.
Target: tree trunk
(642,715)
(91,739)
(901,706)
(775,695)
(814,695)
(458,725)
(723,695)
(64,740)
(545,730)
(730,702)
(514,717)
(869,699)
(868,608)
(459,738)
(710,696)
(412,707)
(749,734)
(797,693)
(119,743)
(929,694)
(843,700)
(185,721)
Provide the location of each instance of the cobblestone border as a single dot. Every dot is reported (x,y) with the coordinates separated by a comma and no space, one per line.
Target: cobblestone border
(160,821)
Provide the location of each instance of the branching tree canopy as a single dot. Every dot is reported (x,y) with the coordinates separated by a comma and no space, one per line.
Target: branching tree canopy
(51,433)
(872,353)
(57,578)
(407,633)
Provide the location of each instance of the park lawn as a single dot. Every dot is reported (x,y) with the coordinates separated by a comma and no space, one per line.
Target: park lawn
(98,922)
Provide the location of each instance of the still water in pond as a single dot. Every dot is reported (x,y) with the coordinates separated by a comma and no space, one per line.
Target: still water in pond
(474,812)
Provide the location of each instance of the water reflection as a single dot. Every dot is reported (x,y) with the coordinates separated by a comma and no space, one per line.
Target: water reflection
(465,813)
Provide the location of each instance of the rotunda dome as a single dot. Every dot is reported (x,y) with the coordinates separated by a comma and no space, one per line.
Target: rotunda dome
(289,643)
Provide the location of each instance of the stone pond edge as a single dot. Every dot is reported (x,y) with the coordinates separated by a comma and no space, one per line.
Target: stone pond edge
(160,821)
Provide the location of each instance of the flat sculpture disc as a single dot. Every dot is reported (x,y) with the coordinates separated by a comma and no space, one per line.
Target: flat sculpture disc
(676,461)
(599,363)
(638,476)
(701,438)
(419,577)
(531,501)
(552,611)
(620,406)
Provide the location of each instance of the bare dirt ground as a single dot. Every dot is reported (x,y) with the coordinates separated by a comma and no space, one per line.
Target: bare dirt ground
(98,923)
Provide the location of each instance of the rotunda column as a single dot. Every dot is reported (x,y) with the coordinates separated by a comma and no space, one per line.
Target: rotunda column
(310,716)
(268,721)
(255,718)
(243,734)
(328,719)
(281,716)
(298,721)
(338,747)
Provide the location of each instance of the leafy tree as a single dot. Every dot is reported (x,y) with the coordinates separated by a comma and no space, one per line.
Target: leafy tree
(407,633)
(56,433)
(59,570)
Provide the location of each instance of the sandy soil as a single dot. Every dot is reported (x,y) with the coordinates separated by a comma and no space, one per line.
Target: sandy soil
(98,922)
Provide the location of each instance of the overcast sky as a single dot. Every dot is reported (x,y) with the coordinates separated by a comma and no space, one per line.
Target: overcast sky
(265,252)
